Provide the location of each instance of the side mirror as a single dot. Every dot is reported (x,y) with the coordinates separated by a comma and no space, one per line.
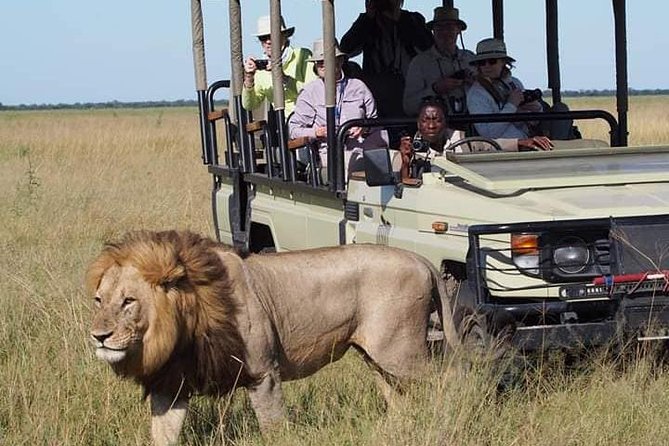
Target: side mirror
(378,167)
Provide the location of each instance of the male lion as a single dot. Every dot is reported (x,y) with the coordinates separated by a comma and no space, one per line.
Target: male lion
(182,314)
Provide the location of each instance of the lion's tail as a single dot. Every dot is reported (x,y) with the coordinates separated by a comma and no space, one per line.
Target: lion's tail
(446,313)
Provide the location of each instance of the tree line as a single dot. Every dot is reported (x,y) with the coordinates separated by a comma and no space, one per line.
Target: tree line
(193,103)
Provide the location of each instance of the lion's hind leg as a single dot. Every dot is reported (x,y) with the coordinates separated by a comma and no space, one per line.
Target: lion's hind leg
(390,386)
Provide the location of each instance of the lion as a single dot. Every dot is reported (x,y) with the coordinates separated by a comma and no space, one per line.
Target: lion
(182,314)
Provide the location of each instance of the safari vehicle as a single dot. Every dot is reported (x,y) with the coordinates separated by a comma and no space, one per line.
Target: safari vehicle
(559,249)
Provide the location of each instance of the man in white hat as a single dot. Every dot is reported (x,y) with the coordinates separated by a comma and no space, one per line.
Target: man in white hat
(297,70)
(444,69)
(353,100)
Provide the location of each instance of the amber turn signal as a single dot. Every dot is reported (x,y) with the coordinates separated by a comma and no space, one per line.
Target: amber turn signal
(525,244)
(439,227)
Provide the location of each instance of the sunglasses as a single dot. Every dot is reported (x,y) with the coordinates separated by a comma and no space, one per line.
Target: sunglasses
(264,39)
(487,62)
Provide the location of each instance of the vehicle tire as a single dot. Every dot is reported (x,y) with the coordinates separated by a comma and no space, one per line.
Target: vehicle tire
(490,351)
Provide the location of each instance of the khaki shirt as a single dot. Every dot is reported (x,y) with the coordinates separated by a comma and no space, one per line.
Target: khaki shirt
(427,68)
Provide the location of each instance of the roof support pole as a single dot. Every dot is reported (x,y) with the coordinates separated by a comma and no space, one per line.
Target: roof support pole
(335,154)
(622,91)
(498,19)
(244,140)
(279,101)
(553,50)
(197,30)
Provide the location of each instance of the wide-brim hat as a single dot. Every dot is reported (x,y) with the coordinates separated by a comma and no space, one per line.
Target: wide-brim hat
(263,27)
(446,14)
(318,51)
(491,49)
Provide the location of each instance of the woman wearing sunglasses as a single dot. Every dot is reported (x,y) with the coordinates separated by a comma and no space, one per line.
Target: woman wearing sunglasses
(496,91)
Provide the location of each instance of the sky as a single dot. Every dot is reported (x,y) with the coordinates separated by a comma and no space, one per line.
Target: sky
(68,51)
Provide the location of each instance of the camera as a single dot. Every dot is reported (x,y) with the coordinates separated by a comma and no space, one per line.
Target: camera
(261,64)
(531,95)
(460,74)
(420,145)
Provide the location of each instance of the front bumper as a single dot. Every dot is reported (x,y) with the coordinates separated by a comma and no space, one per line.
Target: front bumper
(568,325)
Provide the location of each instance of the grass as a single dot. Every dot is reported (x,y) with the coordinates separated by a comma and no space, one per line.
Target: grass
(70,180)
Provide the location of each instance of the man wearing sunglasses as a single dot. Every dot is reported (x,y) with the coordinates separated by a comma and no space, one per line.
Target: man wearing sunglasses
(442,70)
(297,69)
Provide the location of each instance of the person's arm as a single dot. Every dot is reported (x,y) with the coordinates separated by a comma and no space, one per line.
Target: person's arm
(301,122)
(353,40)
(413,31)
(415,87)
(254,93)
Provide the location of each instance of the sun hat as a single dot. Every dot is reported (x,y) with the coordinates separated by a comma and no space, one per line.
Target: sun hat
(318,52)
(263,27)
(491,49)
(446,14)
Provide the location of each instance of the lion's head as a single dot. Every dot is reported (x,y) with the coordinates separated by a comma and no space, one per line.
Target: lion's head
(161,302)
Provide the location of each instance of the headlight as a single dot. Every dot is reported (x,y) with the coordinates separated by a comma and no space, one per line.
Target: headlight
(571,255)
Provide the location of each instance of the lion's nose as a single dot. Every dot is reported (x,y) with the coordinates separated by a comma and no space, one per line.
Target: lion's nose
(101,336)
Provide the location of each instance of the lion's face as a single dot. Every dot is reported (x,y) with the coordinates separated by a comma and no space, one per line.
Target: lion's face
(133,325)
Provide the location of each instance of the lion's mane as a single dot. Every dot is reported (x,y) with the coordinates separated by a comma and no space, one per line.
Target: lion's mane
(209,354)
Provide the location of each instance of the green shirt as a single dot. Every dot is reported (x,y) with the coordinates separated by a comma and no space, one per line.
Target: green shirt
(297,71)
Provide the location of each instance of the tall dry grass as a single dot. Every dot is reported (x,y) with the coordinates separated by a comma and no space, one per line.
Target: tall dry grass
(647,124)
(71,180)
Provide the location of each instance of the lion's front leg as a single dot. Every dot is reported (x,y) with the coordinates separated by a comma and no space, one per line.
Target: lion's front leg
(167,418)
(267,401)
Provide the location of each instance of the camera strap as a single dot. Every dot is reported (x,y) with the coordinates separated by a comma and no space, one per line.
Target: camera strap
(494,91)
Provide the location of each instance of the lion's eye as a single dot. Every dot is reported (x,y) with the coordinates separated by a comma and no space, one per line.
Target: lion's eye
(97,301)
(128,301)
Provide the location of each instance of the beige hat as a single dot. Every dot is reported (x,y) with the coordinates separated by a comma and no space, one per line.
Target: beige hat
(263,27)
(446,14)
(318,52)
(491,49)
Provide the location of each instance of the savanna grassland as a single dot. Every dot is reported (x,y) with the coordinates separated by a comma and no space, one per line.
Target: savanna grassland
(71,180)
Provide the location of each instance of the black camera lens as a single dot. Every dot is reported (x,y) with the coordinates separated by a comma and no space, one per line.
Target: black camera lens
(460,74)
(531,95)
(420,145)
(261,64)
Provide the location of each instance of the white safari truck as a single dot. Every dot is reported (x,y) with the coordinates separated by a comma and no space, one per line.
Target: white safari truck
(555,249)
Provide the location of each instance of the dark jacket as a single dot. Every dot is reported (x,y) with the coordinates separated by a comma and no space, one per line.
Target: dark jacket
(387,47)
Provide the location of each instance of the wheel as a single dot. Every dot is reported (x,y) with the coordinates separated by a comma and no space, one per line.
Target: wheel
(470,139)
(491,352)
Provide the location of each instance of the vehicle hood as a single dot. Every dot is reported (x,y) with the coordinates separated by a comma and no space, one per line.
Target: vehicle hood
(513,173)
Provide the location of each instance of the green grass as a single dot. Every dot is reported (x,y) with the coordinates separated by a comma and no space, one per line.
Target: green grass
(71,180)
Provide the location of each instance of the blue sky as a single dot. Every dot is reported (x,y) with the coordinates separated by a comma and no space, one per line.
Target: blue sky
(66,51)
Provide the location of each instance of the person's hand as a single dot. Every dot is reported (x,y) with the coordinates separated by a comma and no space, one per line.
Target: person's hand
(249,72)
(370,8)
(355,132)
(405,146)
(446,84)
(250,66)
(515,97)
(540,143)
(533,107)
(321,132)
